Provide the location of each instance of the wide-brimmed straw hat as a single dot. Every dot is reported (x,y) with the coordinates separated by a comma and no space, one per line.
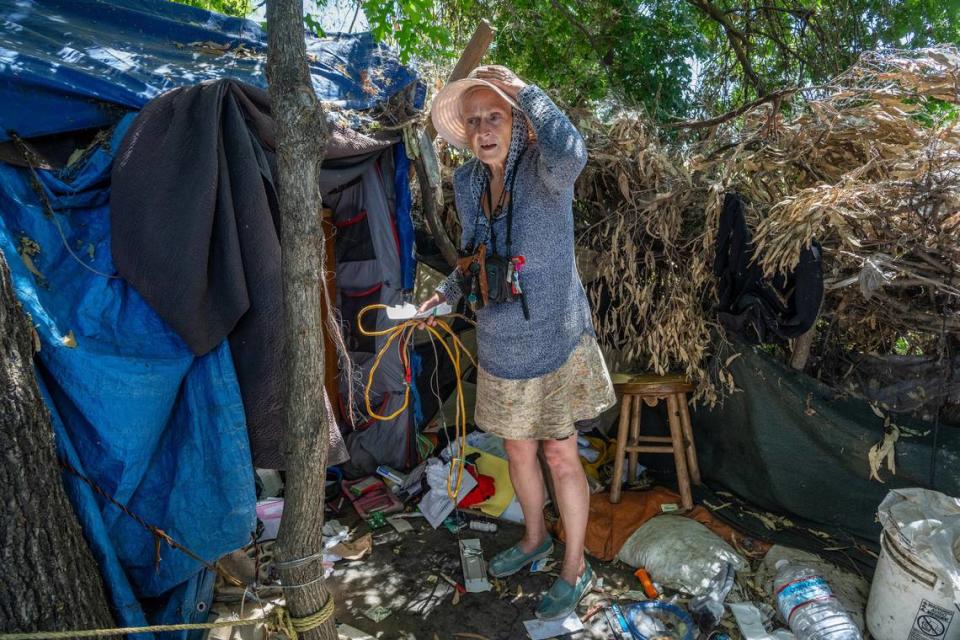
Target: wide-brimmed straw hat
(446,109)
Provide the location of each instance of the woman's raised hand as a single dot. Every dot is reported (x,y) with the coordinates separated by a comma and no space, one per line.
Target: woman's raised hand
(502,77)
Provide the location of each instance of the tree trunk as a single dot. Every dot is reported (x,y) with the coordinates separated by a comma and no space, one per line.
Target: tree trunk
(49,580)
(301,143)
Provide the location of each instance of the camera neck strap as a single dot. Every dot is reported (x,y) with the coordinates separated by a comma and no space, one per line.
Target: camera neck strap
(493,212)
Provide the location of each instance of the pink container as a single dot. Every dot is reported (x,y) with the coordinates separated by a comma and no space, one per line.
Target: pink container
(269,512)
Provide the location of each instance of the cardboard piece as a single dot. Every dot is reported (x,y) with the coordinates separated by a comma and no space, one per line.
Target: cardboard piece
(354,550)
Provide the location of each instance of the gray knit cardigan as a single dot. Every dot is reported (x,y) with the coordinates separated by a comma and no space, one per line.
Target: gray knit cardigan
(508,346)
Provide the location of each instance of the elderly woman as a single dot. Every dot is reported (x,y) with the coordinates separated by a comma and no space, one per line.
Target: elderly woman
(540,368)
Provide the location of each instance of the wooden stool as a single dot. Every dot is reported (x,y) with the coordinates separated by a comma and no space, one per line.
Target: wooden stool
(651,389)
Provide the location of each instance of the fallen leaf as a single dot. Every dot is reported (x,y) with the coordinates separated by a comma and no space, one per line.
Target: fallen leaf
(884,452)
(30,266)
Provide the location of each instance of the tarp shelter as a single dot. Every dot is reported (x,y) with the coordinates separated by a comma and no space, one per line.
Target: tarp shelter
(154,424)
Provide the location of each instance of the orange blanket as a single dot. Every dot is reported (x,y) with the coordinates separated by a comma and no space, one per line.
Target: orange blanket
(610,525)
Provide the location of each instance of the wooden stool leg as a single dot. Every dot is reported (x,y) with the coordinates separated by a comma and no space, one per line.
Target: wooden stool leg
(625,407)
(634,434)
(679,452)
(688,434)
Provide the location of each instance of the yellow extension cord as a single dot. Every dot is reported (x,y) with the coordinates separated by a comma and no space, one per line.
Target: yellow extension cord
(404,332)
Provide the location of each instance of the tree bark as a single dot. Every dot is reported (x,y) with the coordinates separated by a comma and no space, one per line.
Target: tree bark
(302,137)
(49,580)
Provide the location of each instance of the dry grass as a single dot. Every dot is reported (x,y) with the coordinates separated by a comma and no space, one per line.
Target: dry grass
(865,166)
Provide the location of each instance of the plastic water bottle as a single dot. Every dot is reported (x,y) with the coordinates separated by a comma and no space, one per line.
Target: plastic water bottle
(807,603)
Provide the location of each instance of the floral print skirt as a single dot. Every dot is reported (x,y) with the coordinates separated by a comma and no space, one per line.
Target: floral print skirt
(546,408)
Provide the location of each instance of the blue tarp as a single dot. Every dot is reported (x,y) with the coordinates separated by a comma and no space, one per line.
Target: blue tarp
(75,64)
(405,232)
(155,427)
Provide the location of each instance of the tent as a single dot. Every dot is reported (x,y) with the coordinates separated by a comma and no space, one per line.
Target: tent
(163,428)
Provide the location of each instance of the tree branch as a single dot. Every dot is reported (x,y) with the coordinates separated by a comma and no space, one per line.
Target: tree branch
(770,97)
(738,41)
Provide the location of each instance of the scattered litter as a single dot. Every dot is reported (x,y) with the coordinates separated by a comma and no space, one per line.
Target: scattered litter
(807,603)
(669,507)
(400,524)
(482,525)
(391,474)
(458,589)
(369,495)
(454,525)
(70,340)
(544,629)
(354,550)
(376,520)
(661,620)
(680,553)
(707,610)
(542,565)
(386,538)
(753,623)
(474,566)
(618,622)
(269,513)
(436,505)
(269,482)
(333,529)
(615,631)
(633,595)
(378,613)
(346,632)
(648,589)
(849,587)
(749,620)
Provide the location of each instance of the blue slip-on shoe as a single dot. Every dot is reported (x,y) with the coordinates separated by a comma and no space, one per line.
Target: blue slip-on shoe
(508,562)
(562,598)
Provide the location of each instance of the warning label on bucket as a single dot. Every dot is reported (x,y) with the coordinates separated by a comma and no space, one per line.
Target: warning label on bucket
(931,623)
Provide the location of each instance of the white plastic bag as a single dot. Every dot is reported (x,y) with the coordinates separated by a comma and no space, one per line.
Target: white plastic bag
(679,553)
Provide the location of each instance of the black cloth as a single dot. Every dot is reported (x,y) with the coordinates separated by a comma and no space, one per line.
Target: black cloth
(195,230)
(756,309)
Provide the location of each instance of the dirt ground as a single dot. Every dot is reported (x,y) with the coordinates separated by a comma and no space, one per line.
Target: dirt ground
(405,577)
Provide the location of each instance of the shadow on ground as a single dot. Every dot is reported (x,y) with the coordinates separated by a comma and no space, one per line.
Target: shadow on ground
(405,577)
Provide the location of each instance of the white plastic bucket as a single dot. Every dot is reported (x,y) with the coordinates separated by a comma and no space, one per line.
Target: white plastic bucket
(909,600)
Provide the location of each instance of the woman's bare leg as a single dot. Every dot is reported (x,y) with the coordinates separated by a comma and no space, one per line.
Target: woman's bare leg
(527,480)
(573,496)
